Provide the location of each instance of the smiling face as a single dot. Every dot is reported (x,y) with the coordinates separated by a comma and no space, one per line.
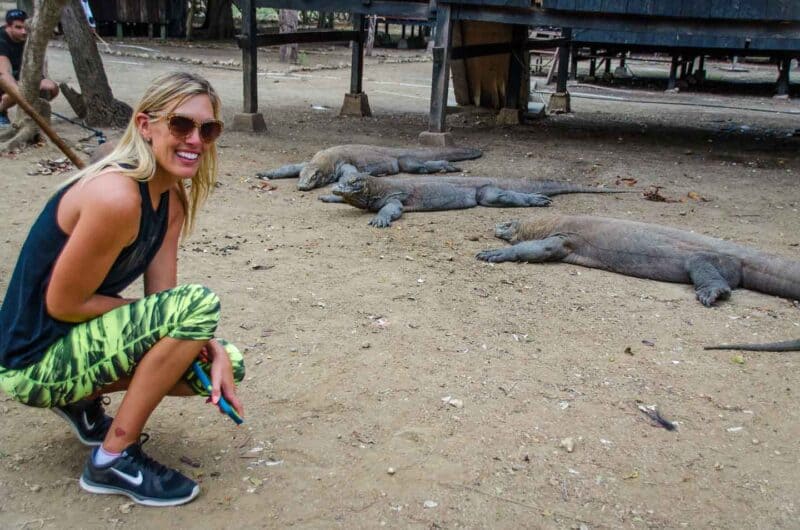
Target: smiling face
(177,157)
(16,31)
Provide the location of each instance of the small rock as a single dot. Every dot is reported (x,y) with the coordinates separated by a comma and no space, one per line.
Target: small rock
(568,444)
(36,488)
(365,345)
(390,471)
(457,403)
(430,504)
(126,508)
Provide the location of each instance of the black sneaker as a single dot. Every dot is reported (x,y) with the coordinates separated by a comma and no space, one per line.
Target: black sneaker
(88,419)
(139,477)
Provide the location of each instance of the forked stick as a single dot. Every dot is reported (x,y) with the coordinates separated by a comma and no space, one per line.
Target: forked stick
(12,91)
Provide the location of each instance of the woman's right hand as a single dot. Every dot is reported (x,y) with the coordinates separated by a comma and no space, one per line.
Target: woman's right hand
(222,376)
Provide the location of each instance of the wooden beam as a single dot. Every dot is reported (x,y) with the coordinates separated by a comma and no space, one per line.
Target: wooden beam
(418,10)
(300,37)
(500,48)
(760,35)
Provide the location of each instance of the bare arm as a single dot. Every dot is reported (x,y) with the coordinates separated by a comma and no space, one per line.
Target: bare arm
(162,273)
(107,221)
(5,70)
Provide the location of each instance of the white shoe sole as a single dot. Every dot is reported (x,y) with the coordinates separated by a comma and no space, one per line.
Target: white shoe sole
(145,501)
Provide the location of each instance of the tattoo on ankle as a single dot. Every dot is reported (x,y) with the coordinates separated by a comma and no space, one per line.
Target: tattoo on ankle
(119,432)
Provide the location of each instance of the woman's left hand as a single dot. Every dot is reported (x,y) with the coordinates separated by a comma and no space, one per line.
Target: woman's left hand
(222,376)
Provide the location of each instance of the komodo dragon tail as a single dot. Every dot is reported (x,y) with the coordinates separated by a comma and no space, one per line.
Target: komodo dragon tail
(788,345)
(456,154)
(554,187)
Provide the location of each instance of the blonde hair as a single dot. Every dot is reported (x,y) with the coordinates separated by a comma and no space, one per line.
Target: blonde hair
(133,156)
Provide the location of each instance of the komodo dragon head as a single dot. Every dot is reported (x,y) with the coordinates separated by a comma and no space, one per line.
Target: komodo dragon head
(313,176)
(354,189)
(507,231)
(538,227)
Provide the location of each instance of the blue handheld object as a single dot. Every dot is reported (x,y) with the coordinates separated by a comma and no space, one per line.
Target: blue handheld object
(223,405)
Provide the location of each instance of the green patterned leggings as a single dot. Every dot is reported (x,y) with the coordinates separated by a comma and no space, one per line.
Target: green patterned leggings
(105,349)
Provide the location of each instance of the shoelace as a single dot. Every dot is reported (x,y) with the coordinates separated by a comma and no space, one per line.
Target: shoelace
(148,463)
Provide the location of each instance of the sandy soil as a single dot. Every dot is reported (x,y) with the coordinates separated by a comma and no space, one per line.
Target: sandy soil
(356,337)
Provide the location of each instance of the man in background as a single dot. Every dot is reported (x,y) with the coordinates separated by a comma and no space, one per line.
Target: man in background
(12,43)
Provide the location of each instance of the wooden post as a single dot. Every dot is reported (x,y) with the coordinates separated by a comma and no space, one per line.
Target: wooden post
(517,66)
(673,71)
(357,69)
(559,101)
(782,86)
(356,102)
(441,69)
(563,62)
(250,57)
(593,62)
(249,120)
(573,63)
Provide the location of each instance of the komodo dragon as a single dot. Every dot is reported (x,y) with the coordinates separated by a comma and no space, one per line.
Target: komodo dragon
(325,166)
(713,266)
(392,196)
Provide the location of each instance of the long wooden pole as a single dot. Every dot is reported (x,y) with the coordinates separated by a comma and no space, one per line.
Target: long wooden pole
(12,91)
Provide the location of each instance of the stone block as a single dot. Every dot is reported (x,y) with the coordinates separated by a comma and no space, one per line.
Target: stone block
(508,116)
(249,122)
(356,105)
(559,103)
(434,139)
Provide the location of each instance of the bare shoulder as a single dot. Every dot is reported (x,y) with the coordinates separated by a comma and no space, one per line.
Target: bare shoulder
(111,192)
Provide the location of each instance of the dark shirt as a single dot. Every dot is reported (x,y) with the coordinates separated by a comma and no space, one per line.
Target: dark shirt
(26,328)
(12,50)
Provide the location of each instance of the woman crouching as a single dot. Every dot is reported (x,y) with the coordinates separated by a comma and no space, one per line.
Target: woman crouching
(67,338)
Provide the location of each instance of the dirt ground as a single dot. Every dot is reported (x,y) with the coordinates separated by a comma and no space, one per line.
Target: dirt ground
(394,380)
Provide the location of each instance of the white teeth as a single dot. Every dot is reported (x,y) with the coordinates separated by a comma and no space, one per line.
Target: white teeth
(187,155)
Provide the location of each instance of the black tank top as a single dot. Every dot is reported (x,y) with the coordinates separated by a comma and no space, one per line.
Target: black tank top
(26,329)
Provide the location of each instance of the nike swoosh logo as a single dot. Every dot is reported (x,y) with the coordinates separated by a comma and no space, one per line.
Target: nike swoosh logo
(134,481)
(86,423)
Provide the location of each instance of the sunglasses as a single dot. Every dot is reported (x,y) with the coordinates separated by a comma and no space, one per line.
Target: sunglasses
(182,126)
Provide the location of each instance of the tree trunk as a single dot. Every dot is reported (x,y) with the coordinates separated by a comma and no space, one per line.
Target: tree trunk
(288,19)
(371,27)
(190,19)
(44,22)
(220,19)
(102,110)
